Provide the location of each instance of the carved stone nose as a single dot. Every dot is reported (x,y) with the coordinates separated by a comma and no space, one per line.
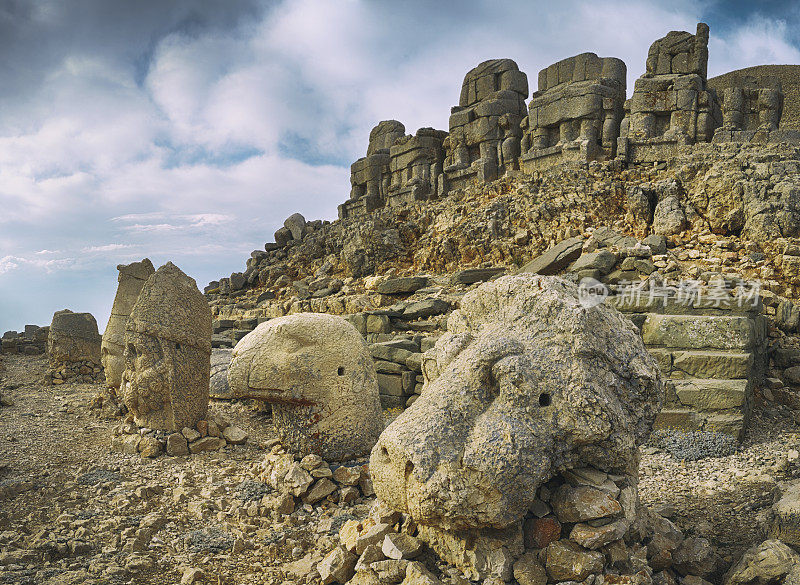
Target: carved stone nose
(391,468)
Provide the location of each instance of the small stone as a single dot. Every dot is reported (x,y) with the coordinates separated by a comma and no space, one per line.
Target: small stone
(529,571)
(177,445)
(206,444)
(234,435)
(372,535)
(390,571)
(150,447)
(192,575)
(321,489)
(348,534)
(348,494)
(190,434)
(539,532)
(566,561)
(347,475)
(401,546)
(337,566)
(582,503)
(311,462)
(417,574)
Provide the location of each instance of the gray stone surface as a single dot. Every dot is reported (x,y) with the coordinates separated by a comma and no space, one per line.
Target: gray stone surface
(73,337)
(522,355)
(556,258)
(168,352)
(218,385)
(131,280)
(316,371)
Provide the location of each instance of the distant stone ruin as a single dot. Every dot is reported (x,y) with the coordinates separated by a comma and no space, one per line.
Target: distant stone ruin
(578,114)
(73,348)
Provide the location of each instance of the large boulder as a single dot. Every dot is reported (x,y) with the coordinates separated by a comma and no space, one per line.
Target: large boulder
(526,383)
(768,562)
(131,280)
(316,371)
(168,353)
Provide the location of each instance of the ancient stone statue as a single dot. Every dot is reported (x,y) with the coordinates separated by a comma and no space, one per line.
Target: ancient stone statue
(483,126)
(415,164)
(73,347)
(316,371)
(576,113)
(131,280)
(526,383)
(671,103)
(168,353)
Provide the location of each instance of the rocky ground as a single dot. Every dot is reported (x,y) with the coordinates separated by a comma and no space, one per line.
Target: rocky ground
(72,511)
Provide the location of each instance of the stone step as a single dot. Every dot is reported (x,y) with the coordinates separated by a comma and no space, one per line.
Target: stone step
(708,394)
(704,364)
(686,419)
(700,332)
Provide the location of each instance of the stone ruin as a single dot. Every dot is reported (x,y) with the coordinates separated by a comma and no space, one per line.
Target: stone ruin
(131,280)
(671,104)
(317,373)
(397,169)
(73,348)
(575,114)
(752,107)
(31,341)
(168,353)
(528,428)
(485,133)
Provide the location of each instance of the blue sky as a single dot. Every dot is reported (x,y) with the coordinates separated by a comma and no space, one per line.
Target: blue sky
(187,131)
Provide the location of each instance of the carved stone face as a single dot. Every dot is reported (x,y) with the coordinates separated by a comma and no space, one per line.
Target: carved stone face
(525,384)
(146,381)
(317,373)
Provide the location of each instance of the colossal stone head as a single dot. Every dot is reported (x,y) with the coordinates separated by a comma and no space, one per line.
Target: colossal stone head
(131,280)
(73,337)
(526,383)
(168,353)
(317,373)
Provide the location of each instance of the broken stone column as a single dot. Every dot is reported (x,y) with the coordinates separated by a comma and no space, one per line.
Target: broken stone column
(131,280)
(484,136)
(671,104)
(526,385)
(576,113)
(73,348)
(168,353)
(316,371)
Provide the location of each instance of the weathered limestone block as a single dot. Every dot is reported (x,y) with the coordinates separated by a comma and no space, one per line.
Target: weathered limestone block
(671,104)
(218,384)
(699,332)
(485,126)
(168,353)
(316,371)
(752,110)
(73,346)
(576,113)
(131,280)
(768,562)
(786,515)
(525,383)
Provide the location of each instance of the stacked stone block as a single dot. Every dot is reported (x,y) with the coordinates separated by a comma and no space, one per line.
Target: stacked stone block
(73,348)
(485,131)
(711,354)
(671,104)
(32,341)
(576,113)
(415,164)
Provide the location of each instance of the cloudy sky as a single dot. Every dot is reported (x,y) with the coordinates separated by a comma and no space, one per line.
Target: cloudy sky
(187,130)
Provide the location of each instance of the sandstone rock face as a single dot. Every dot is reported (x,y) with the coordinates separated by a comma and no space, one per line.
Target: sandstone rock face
(168,353)
(525,383)
(765,563)
(131,280)
(317,372)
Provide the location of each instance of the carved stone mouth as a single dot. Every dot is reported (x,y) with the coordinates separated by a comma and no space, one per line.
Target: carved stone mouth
(276,396)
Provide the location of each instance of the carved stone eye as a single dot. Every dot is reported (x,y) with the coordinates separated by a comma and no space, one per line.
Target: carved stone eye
(544,399)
